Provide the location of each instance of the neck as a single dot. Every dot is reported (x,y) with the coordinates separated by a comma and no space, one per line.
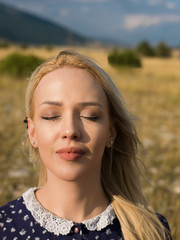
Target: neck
(77,201)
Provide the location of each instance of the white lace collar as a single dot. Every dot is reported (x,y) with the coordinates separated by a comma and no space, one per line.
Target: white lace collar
(57,225)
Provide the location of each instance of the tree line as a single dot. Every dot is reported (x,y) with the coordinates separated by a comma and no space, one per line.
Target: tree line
(132,57)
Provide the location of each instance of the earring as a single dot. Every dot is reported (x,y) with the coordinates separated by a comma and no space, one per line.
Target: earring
(26,121)
(109,144)
(33,143)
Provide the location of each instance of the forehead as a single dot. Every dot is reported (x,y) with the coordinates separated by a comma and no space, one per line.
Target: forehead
(69,83)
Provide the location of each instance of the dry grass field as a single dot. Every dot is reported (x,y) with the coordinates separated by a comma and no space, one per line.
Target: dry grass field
(152,93)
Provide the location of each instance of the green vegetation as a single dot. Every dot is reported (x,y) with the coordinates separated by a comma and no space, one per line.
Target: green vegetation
(4,44)
(127,58)
(145,49)
(49,47)
(24,45)
(161,50)
(19,65)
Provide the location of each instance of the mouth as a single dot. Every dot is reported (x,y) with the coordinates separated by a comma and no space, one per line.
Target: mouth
(70,153)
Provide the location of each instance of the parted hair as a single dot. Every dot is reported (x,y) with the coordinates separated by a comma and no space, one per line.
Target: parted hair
(120,174)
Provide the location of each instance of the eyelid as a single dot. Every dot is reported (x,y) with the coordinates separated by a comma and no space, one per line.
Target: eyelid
(50,118)
(93,118)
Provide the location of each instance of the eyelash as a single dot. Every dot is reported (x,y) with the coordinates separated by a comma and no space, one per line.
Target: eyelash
(50,118)
(95,118)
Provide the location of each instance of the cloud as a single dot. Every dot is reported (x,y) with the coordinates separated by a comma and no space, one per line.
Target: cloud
(170,5)
(154,2)
(89,1)
(85,9)
(64,12)
(132,22)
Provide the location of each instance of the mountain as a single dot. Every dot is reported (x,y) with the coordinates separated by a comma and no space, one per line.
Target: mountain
(21,27)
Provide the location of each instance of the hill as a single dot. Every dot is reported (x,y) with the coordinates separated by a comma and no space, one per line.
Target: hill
(21,27)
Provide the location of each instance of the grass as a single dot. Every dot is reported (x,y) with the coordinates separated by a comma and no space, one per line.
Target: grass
(152,93)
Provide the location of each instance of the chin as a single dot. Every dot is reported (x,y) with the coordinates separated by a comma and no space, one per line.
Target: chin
(69,176)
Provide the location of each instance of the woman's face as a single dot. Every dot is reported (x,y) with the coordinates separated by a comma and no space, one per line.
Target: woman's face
(71,125)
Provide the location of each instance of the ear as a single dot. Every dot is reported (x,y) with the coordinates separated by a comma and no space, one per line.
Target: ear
(112,135)
(32,133)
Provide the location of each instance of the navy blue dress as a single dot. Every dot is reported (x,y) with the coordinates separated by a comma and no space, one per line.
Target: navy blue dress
(25,218)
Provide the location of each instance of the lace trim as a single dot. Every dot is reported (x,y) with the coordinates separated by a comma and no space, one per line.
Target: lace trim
(58,225)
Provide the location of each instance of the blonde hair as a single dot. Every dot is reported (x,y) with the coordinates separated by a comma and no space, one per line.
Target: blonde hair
(120,172)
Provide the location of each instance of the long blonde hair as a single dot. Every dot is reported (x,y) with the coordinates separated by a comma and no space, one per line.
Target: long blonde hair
(120,172)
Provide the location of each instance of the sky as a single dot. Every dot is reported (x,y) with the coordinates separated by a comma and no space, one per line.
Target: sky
(118,20)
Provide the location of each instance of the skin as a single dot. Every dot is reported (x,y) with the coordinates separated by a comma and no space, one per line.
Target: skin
(71,110)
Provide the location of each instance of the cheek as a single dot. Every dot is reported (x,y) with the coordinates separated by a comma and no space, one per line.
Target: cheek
(45,144)
(44,137)
(99,138)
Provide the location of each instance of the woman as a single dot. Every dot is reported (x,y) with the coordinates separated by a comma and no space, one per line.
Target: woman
(86,144)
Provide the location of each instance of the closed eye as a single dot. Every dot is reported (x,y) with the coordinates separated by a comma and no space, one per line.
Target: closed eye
(50,118)
(94,118)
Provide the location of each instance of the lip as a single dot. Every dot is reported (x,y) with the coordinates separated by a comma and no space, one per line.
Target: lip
(70,153)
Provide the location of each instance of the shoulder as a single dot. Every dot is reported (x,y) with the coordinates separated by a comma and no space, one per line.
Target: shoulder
(10,208)
(9,217)
(11,212)
(12,217)
(15,207)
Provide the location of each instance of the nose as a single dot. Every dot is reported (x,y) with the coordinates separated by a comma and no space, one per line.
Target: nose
(71,128)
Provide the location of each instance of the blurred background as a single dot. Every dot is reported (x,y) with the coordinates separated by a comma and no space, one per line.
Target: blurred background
(137,42)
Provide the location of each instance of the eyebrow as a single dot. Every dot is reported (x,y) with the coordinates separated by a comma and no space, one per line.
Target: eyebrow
(84,104)
(56,103)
